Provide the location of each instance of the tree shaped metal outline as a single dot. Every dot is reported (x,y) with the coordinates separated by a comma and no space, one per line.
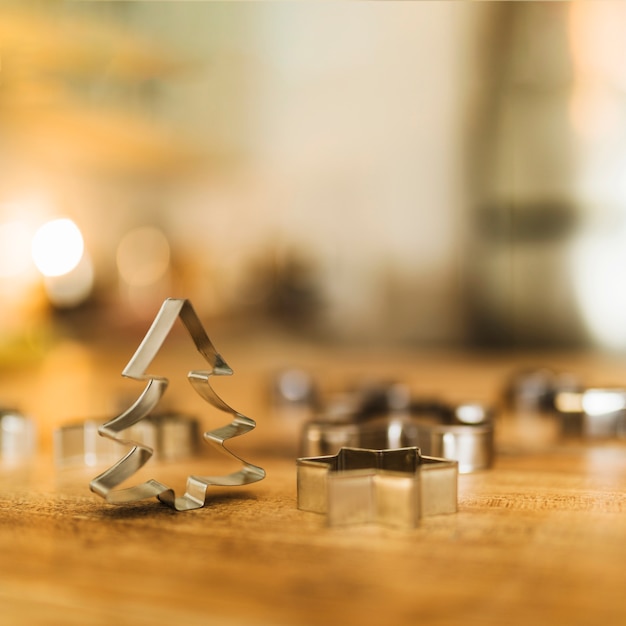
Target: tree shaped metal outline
(195,492)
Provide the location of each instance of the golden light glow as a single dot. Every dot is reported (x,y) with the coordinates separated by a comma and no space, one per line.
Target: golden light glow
(73,288)
(57,247)
(15,256)
(597,45)
(597,264)
(603,401)
(143,256)
(569,402)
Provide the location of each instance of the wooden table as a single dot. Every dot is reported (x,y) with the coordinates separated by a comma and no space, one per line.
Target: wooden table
(538,539)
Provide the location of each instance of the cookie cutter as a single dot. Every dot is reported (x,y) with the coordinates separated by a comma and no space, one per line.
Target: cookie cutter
(18,436)
(463,432)
(594,413)
(391,487)
(105,484)
(536,389)
(172,436)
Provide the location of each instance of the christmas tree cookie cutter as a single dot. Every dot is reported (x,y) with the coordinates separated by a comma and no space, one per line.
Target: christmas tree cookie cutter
(172,436)
(105,484)
(392,487)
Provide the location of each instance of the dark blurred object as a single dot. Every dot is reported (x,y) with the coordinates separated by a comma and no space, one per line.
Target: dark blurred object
(523,182)
(535,389)
(282,287)
(543,221)
(367,399)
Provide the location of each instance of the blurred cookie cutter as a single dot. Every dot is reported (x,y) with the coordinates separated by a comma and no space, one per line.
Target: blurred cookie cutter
(463,433)
(535,390)
(195,492)
(18,437)
(390,487)
(172,436)
(595,413)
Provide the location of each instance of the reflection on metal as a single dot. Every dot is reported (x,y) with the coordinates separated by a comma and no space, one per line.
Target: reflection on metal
(594,412)
(463,433)
(194,497)
(18,437)
(535,389)
(172,436)
(590,412)
(390,487)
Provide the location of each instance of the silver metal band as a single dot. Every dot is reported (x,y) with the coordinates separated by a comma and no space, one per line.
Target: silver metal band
(463,433)
(596,413)
(172,436)
(18,436)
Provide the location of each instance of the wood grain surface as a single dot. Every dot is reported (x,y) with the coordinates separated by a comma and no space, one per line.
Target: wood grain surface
(538,539)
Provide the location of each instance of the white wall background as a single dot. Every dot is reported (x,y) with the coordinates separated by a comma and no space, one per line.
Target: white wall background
(347,119)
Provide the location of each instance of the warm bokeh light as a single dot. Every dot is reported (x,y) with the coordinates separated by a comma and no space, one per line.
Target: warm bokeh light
(143,256)
(597,264)
(15,256)
(72,288)
(57,247)
(597,46)
(601,402)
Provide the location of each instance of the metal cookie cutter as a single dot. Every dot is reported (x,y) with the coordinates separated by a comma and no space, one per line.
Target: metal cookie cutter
(536,389)
(172,436)
(390,487)
(463,433)
(588,412)
(18,437)
(593,413)
(195,493)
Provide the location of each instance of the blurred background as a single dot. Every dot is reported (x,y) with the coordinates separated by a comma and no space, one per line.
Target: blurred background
(429,173)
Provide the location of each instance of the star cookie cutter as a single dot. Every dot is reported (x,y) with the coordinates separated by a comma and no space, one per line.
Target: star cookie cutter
(463,432)
(393,487)
(195,493)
